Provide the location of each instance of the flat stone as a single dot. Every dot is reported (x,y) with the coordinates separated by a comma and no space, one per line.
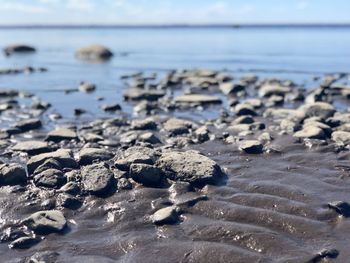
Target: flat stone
(48,164)
(50,178)
(61,134)
(251,146)
(149,137)
(197,99)
(98,179)
(244,109)
(230,88)
(310,132)
(168,215)
(63,156)
(320,109)
(269,90)
(32,147)
(140,94)
(90,155)
(12,174)
(94,52)
(147,175)
(136,154)
(111,107)
(190,167)
(28,125)
(46,222)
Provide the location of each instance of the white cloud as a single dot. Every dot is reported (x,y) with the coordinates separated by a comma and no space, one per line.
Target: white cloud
(81,5)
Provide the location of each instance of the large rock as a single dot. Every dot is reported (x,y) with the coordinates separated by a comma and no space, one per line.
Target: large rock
(147,175)
(63,156)
(50,178)
(98,179)
(341,137)
(136,154)
(61,134)
(94,52)
(12,174)
(178,126)
(27,125)
(167,215)
(310,132)
(46,222)
(9,50)
(190,167)
(197,99)
(32,147)
(251,146)
(320,109)
(90,155)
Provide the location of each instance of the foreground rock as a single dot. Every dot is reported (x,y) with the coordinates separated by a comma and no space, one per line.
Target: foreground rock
(63,156)
(190,167)
(94,52)
(9,50)
(32,147)
(12,174)
(251,146)
(90,155)
(168,215)
(147,175)
(46,222)
(98,179)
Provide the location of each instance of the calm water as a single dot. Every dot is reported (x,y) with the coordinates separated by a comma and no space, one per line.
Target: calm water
(293,53)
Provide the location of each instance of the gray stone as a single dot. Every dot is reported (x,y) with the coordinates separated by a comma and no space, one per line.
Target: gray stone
(269,90)
(61,134)
(140,94)
(136,154)
(230,88)
(98,179)
(341,137)
(147,124)
(24,243)
(94,52)
(12,174)
(63,156)
(46,222)
(190,167)
(9,50)
(28,125)
(320,109)
(50,178)
(90,155)
(32,147)
(310,132)
(168,215)
(149,137)
(178,126)
(251,146)
(147,175)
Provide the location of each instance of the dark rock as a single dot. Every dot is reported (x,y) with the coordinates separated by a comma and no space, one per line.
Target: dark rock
(146,124)
(87,87)
(251,146)
(50,178)
(61,135)
(136,154)
(147,175)
(90,155)
(63,156)
(341,207)
(70,188)
(98,179)
(46,222)
(9,50)
(111,107)
(28,125)
(178,126)
(124,184)
(68,201)
(48,164)
(24,242)
(139,94)
(149,137)
(12,174)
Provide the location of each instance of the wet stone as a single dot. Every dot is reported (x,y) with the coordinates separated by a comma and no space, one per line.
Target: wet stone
(136,154)
(198,99)
(46,222)
(24,243)
(50,178)
(90,155)
(28,125)
(341,207)
(61,135)
(111,107)
(48,164)
(12,174)
(251,146)
(70,188)
(168,215)
(147,175)
(98,179)
(146,124)
(149,137)
(68,201)
(32,147)
(178,126)
(190,167)
(310,132)
(139,94)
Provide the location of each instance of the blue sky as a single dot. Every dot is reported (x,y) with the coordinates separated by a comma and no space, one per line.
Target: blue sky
(173,11)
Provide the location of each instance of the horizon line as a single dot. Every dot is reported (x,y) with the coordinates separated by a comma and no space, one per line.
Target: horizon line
(173,25)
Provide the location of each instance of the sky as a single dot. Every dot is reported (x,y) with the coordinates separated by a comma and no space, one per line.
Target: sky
(14,12)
